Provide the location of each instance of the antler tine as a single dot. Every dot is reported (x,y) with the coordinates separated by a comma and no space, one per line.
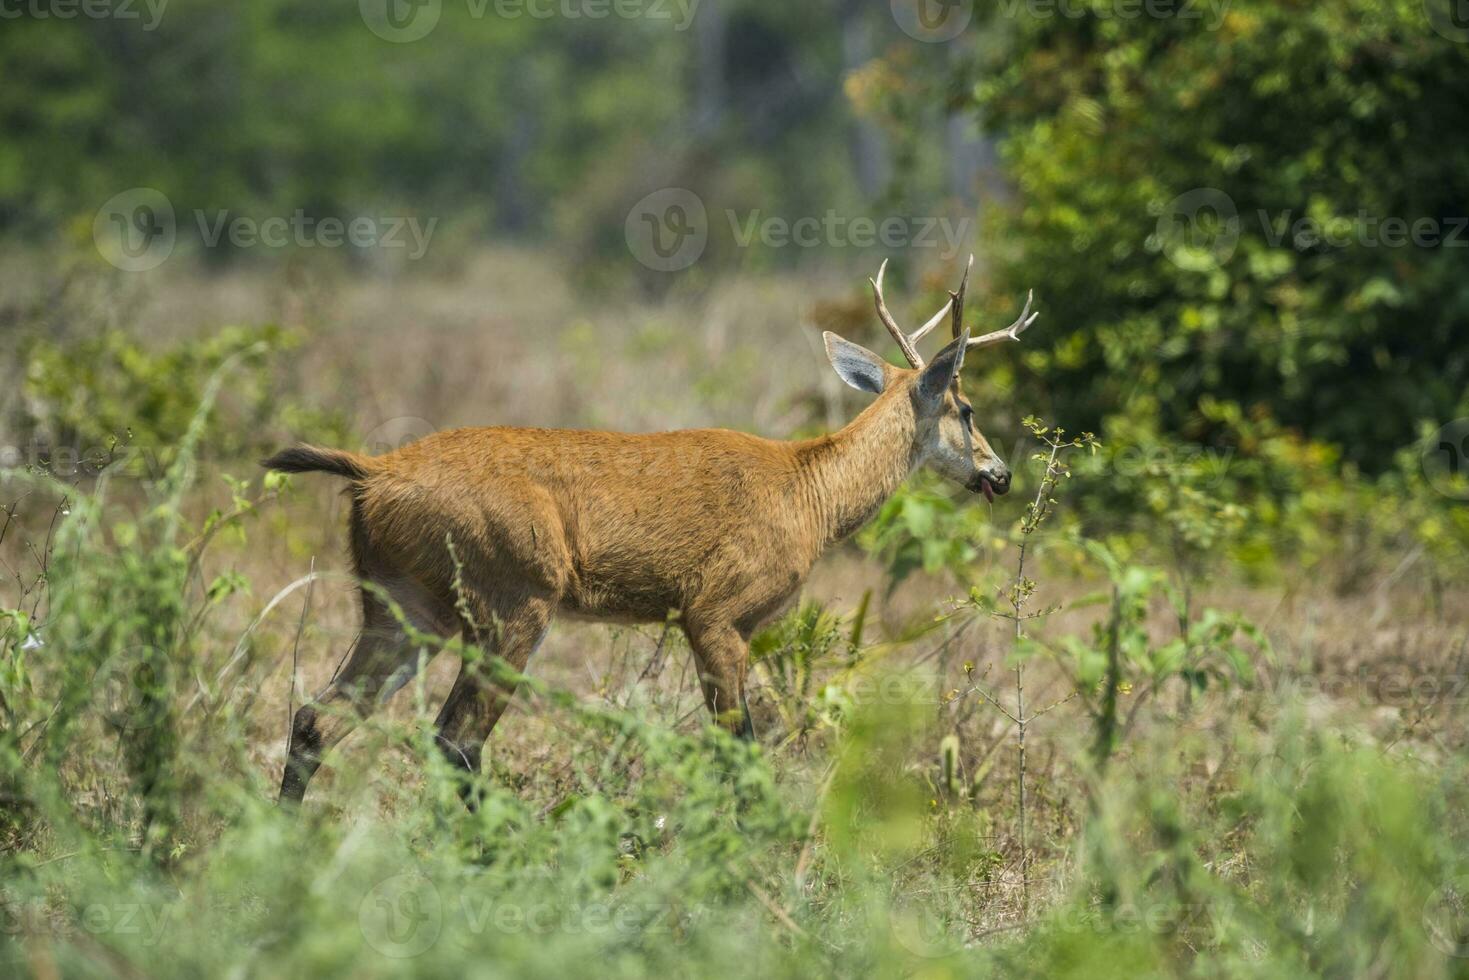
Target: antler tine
(934,321)
(1013,331)
(906,344)
(956,300)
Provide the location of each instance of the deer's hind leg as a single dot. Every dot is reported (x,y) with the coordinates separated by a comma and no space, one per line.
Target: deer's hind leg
(381,661)
(722,655)
(511,630)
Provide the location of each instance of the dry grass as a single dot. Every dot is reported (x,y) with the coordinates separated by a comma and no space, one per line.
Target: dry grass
(507,340)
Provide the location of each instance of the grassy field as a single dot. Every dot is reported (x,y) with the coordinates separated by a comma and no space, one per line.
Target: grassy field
(1190,761)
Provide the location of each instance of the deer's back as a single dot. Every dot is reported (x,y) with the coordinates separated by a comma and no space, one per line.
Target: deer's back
(621,525)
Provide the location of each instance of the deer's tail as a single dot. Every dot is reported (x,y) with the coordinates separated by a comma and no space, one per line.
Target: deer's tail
(312,459)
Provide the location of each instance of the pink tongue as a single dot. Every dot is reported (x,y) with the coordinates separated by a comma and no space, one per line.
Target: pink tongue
(988,493)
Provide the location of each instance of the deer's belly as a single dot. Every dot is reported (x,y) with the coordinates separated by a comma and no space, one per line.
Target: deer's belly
(619,602)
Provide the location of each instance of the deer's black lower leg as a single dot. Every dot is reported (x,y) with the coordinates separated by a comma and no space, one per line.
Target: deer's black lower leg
(466,759)
(303,757)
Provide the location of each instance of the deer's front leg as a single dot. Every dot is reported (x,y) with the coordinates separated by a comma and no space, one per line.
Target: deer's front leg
(722,657)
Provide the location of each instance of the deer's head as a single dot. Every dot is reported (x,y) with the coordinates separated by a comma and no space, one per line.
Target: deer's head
(946,434)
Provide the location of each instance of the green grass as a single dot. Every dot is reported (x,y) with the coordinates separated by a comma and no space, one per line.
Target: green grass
(1222,778)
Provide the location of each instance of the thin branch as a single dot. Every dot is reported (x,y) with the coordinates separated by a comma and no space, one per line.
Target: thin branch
(1053,705)
(295,651)
(991,699)
(806,849)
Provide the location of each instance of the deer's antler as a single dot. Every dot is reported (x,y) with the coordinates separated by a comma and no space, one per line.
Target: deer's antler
(954,310)
(1013,331)
(907,343)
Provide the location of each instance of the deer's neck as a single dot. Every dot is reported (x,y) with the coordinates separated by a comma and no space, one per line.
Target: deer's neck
(849,474)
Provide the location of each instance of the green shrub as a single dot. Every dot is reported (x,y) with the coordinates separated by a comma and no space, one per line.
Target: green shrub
(1114,129)
(91,403)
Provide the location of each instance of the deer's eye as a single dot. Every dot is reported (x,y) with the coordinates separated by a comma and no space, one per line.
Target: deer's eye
(966,415)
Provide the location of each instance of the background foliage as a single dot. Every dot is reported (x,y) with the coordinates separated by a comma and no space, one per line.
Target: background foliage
(1189,702)
(1329,113)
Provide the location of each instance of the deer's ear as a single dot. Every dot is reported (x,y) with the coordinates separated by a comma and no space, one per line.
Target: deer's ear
(937,377)
(855,364)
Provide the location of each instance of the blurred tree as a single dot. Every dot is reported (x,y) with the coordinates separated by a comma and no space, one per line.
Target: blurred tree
(505,119)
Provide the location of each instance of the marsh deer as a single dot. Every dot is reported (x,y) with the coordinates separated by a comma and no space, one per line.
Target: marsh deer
(715,527)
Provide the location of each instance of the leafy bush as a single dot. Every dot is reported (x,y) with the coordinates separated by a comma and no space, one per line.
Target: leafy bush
(925,527)
(101,396)
(1162,165)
